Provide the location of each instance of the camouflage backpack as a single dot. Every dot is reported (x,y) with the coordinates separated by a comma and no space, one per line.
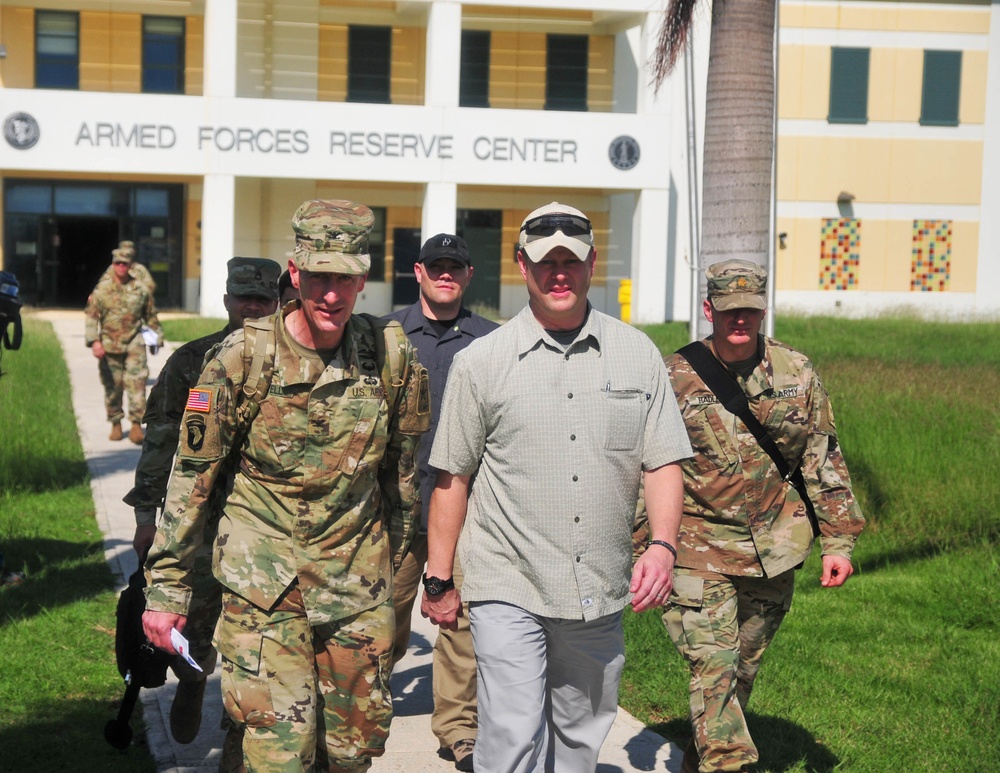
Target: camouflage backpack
(259,348)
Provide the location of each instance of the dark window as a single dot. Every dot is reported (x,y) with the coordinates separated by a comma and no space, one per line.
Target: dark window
(942,85)
(162,55)
(57,50)
(376,246)
(566,72)
(474,83)
(369,53)
(849,85)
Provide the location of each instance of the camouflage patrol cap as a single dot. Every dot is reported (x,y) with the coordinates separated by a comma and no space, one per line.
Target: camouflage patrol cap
(332,236)
(121,256)
(253,277)
(737,284)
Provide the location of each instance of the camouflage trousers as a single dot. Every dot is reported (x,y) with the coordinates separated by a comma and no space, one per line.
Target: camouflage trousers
(310,698)
(125,373)
(721,625)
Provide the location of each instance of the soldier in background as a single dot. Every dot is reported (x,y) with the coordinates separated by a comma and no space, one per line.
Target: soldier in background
(138,271)
(251,292)
(745,530)
(439,326)
(116,311)
(322,509)
(286,291)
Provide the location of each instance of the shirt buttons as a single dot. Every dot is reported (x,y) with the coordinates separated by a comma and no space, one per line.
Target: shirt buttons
(570,395)
(572,437)
(578,559)
(575,478)
(577,519)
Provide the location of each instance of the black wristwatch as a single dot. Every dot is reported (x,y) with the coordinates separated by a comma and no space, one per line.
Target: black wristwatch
(435,586)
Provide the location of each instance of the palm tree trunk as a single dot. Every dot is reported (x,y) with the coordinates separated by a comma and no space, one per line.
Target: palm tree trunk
(739,141)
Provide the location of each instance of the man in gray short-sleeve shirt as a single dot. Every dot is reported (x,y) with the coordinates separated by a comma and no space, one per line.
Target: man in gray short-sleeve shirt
(555,417)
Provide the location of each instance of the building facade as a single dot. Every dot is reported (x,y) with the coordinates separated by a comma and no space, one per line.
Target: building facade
(196,128)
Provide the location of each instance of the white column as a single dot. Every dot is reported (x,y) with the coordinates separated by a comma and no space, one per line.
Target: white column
(988,270)
(440,205)
(444,50)
(649,256)
(220,48)
(218,213)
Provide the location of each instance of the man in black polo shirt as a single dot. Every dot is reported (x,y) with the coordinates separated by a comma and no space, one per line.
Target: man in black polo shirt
(440,327)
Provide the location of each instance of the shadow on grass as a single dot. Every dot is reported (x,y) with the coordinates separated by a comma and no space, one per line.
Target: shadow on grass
(40,473)
(57,573)
(782,745)
(70,736)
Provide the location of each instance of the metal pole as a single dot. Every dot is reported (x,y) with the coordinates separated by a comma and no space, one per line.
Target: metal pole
(773,235)
(694,215)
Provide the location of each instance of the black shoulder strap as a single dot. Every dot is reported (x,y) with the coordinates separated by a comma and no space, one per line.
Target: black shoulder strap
(734,399)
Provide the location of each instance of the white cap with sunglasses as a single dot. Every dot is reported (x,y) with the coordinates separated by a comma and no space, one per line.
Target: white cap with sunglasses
(556,225)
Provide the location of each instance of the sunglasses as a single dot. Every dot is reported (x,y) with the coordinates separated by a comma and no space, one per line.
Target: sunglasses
(546,225)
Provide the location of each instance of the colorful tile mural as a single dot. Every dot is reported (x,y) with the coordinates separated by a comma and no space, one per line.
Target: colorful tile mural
(839,253)
(930,268)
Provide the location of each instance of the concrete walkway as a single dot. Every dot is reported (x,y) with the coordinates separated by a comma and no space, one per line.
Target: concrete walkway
(411,747)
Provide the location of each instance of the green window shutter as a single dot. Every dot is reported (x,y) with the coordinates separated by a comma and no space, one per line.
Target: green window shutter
(474,78)
(849,85)
(942,86)
(566,72)
(369,54)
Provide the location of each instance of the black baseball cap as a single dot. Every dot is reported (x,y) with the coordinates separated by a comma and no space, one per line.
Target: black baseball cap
(445,246)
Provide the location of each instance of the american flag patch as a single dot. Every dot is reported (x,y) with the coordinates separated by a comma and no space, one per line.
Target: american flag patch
(199,400)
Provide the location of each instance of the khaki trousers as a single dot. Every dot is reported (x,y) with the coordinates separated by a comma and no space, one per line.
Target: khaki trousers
(455,716)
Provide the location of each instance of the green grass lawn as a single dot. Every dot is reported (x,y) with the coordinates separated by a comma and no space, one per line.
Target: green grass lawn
(898,670)
(58,681)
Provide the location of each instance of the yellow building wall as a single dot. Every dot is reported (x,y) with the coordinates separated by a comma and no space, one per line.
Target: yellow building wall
(406,72)
(880,170)
(600,74)
(904,18)
(972,99)
(194,56)
(332,75)
(17,34)
(886,255)
(110,52)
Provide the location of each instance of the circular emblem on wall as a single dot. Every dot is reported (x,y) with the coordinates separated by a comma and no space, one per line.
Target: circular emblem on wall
(623,152)
(21,131)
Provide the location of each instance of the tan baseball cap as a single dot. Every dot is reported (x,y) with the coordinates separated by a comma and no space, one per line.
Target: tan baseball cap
(737,284)
(332,236)
(556,225)
(121,256)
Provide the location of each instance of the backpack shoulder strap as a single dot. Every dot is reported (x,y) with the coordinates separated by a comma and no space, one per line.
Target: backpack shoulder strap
(389,337)
(259,350)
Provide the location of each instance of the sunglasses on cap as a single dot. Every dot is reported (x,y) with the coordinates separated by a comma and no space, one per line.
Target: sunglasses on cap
(546,225)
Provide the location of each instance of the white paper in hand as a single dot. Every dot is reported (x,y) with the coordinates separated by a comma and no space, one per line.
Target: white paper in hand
(182,647)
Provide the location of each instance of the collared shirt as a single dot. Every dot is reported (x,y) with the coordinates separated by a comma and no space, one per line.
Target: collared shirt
(558,438)
(325,495)
(740,518)
(436,355)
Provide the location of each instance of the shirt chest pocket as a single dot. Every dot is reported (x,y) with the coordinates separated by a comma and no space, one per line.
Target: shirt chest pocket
(625,414)
(712,443)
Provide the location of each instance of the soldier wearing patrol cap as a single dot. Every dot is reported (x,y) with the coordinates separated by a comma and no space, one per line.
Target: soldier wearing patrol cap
(137,271)
(116,311)
(745,530)
(251,292)
(323,506)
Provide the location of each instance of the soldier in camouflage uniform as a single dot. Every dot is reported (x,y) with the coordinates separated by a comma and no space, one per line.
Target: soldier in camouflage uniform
(251,292)
(745,531)
(322,509)
(138,271)
(116,311)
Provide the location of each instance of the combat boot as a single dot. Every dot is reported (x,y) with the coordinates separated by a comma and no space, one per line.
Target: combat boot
(689,764)
(185,711)
(136,434)
(116,431)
